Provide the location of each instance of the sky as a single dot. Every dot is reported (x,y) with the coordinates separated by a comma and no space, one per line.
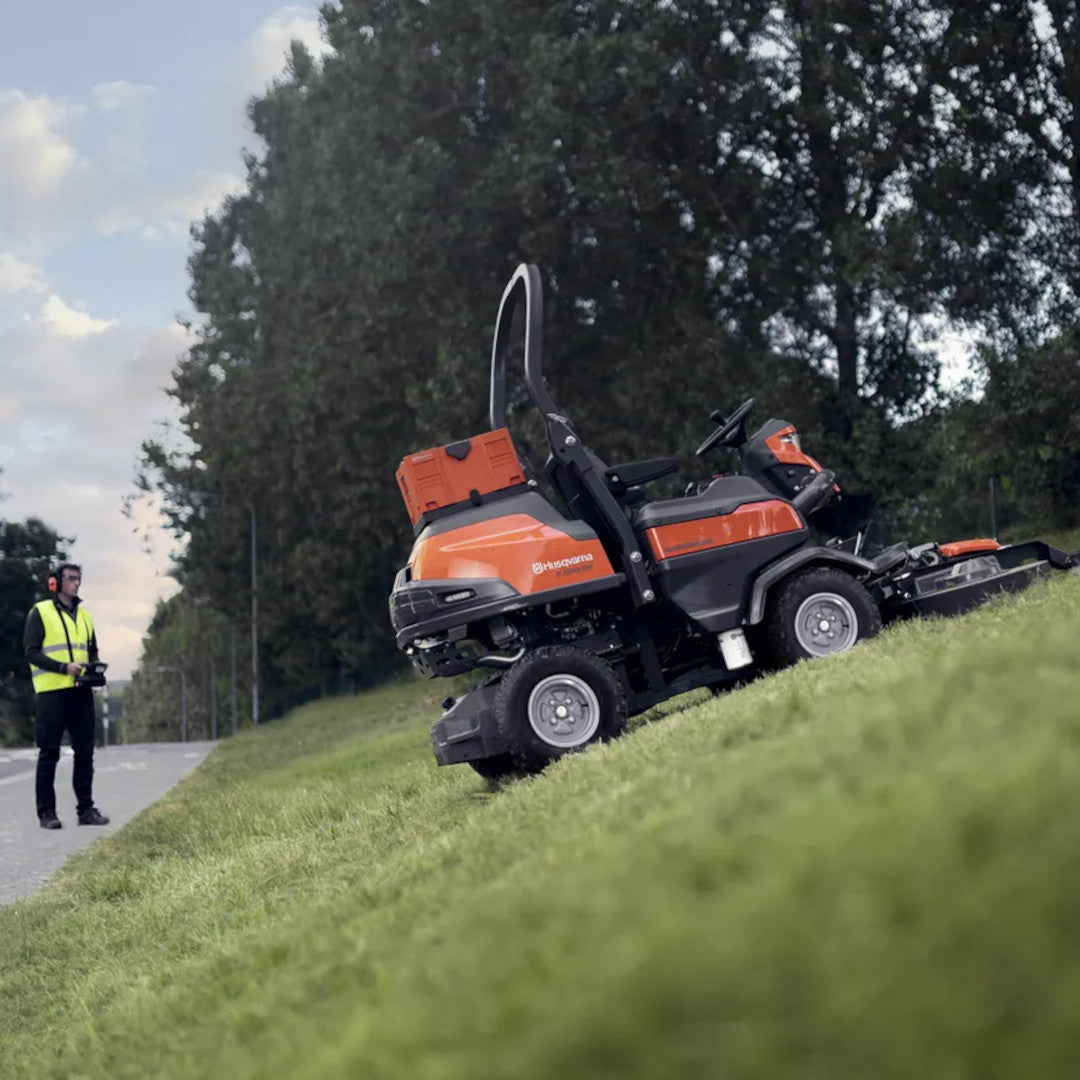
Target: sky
(121,123)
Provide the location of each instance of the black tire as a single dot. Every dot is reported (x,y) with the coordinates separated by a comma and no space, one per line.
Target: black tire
(499,767)
(818,612)
(557,700)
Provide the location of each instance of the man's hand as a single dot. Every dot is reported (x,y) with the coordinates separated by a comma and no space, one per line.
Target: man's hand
(75,670)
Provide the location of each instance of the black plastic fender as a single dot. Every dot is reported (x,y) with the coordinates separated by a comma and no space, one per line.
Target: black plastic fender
(466,730)
(777,571)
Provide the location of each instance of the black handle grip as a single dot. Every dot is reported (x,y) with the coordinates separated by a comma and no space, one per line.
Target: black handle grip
(816,493)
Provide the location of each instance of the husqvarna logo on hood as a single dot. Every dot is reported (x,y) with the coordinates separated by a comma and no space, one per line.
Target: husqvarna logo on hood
(575,564)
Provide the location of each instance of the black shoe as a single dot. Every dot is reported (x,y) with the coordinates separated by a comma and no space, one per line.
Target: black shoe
(49,820)
(93,816)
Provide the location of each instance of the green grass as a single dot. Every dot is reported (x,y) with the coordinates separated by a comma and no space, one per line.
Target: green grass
(1066,539)
(862,867)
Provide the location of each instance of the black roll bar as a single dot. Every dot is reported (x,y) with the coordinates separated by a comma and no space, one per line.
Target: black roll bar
(525,283)
(564,444)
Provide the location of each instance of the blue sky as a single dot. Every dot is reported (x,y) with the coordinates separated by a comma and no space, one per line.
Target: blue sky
(120,123)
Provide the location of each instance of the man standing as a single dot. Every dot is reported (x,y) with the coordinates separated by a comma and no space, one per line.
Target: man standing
(59,642)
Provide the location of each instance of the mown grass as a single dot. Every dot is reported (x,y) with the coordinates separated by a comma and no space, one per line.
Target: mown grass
(1065,539)
(861,867)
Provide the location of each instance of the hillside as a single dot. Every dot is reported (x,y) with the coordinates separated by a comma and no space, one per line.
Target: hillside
(865,866)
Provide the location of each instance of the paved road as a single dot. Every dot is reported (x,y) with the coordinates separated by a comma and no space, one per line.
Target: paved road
(127,779)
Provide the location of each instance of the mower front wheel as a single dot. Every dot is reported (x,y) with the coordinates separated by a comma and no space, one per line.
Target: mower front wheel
(818,612)
(557,700)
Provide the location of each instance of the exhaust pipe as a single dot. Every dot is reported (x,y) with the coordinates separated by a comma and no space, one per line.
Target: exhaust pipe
(496,661)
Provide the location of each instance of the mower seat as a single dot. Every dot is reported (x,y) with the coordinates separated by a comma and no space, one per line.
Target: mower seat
(722,496)
(890,557)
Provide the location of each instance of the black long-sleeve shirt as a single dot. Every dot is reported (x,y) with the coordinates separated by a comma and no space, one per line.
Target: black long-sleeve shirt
(34,639)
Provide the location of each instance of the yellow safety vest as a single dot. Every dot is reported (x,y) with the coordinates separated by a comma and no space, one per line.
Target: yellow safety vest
(67,639)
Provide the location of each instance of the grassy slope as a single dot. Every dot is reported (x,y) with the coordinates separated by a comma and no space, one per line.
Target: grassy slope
(867,866)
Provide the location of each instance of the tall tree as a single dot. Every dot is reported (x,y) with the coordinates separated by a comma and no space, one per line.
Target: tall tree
(725,198)
(28,550)
(1060,130)
(192,664)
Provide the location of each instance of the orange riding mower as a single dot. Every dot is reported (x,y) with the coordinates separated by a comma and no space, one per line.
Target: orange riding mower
(583,603)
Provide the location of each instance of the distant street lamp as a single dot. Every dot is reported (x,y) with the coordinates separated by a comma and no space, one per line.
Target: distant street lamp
(232,685)
(199,602)
(105,715)
(213,699)
(227,496)
(183,699)
(254,623)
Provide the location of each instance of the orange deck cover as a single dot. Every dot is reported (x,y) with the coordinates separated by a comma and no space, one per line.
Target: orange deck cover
(967,547)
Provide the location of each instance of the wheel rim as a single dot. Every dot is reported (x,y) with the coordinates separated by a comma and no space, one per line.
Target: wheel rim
(564,711)
(826,623)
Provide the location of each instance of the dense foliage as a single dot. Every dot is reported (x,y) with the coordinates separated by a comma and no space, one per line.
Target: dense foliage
(789,199)
(212,693)
(28,550)
(1022,436)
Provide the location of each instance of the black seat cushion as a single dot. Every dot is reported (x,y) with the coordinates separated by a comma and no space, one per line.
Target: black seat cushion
(723,495)
(889,557)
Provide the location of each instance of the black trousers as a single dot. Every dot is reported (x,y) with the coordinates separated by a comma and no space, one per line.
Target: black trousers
(70,710)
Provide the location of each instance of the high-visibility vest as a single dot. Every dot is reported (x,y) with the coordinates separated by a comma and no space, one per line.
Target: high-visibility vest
(67,639)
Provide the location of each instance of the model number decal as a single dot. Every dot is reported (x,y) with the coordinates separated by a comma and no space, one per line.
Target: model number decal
(689,545)
(575,564)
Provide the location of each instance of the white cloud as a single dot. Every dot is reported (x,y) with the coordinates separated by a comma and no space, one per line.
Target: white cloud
(171,213)
(63,161)
(205,191)
(69,459)
(122,220)
(66,322)
(38,436)
(34,158)
(110,96)
(18,277)
(273,38)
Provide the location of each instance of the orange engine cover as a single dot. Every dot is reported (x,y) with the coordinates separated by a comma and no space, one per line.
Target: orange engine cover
(748,522)
(517,548)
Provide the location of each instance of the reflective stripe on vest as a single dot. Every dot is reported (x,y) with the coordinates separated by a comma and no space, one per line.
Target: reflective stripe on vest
(72,646)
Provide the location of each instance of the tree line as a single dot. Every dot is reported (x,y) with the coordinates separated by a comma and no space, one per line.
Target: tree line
(28,551)
(794,199)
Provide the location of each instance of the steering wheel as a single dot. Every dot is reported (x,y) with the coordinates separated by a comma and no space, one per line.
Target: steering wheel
(726,432)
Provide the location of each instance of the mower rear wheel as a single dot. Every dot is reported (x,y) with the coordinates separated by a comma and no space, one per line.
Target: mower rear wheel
(819,612)
(557,700)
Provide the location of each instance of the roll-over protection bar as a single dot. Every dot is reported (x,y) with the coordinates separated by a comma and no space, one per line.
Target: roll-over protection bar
(564,444)
(525,284)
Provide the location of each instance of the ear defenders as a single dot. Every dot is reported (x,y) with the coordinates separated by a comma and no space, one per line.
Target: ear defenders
(56,576)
